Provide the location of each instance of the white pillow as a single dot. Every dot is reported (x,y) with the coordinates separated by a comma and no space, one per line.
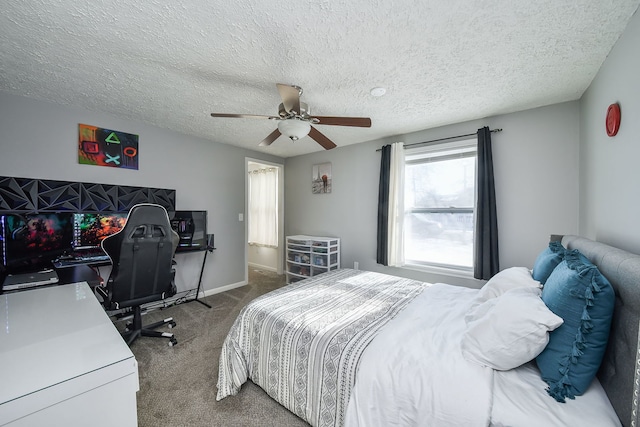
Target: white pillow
(506,332)
(509,278)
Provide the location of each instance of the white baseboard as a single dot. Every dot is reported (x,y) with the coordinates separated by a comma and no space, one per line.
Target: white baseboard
(222,289)
(262,267)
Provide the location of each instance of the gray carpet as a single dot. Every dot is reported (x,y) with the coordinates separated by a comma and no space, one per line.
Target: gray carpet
(178,384)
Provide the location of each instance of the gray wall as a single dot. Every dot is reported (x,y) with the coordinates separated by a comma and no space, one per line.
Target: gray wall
(556,172)
(39,140)
(609,166)
(536,168)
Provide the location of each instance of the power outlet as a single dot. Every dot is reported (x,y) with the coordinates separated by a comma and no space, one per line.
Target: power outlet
(355,265)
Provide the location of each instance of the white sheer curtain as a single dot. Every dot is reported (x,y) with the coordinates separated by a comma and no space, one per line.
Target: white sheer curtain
(263,207)
(396,206)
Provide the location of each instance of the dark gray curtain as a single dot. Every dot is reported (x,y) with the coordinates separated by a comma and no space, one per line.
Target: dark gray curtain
(383,206)
(486,262)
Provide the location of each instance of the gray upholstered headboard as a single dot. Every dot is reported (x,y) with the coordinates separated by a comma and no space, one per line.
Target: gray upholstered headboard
(619,370)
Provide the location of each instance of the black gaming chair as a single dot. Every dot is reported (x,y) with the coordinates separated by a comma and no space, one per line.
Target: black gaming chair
(142,258)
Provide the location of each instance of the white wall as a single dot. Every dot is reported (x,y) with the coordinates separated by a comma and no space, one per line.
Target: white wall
(609,166)
(39,140)
(263,258)
(536,169)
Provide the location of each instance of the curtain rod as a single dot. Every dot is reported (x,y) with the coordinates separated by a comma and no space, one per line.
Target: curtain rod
(445,139)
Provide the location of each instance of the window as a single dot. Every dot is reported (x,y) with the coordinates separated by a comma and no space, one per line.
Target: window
(439,202)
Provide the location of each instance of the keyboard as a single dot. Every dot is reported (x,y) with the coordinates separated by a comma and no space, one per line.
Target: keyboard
(81,260)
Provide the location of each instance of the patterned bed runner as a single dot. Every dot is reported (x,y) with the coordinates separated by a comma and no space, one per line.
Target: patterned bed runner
(302,343)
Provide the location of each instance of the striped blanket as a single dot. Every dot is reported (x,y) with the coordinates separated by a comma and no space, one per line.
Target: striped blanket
(302,343)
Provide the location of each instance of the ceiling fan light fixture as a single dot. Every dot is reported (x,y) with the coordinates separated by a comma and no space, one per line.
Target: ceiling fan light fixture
(295,120)
(294,128)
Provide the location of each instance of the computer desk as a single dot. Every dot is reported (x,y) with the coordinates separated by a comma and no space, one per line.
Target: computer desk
(79,273)
(62,361)
(75,274)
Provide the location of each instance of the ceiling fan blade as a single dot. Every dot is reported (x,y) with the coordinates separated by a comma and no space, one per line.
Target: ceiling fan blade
(269,139)
(244,116)
(321,139)
(362,122)
(290,97)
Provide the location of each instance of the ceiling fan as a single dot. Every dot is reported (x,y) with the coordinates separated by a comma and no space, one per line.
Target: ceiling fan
(295,120)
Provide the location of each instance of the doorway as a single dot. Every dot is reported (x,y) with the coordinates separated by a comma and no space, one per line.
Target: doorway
(268,257)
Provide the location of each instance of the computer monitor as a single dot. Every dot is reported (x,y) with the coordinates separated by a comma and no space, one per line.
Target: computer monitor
(89,229)
(32,241)
(191,226)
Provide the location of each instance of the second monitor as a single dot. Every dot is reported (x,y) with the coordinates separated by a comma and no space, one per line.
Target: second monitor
(89,229)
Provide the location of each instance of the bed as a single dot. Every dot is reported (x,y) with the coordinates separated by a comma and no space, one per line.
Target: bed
(356,348)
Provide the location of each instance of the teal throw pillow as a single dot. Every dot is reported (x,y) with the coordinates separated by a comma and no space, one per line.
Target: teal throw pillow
(547,260)
(584,298)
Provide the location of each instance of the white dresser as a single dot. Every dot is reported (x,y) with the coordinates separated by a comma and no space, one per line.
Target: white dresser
(62,361)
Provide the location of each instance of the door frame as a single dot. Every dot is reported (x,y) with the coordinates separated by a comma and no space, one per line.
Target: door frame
(281,242)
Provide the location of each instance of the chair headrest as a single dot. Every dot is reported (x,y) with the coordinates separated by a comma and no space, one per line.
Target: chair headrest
(147,213)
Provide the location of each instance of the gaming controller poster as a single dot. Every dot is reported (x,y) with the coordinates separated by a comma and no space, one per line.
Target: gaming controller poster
(106,147)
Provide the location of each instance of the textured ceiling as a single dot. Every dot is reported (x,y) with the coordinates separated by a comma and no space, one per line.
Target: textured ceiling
(171,64)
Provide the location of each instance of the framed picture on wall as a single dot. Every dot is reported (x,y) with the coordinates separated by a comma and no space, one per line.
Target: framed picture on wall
(321,178)
(106,147)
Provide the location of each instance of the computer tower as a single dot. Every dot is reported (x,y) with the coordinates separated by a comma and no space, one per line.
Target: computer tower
(191,226)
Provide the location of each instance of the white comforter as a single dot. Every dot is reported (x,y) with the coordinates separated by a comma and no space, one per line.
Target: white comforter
(368,350)
(413,373)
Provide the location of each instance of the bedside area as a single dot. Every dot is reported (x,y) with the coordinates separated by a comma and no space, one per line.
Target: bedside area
(62,361)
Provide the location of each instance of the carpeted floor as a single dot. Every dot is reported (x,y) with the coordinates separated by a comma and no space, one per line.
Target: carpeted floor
(178,384)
